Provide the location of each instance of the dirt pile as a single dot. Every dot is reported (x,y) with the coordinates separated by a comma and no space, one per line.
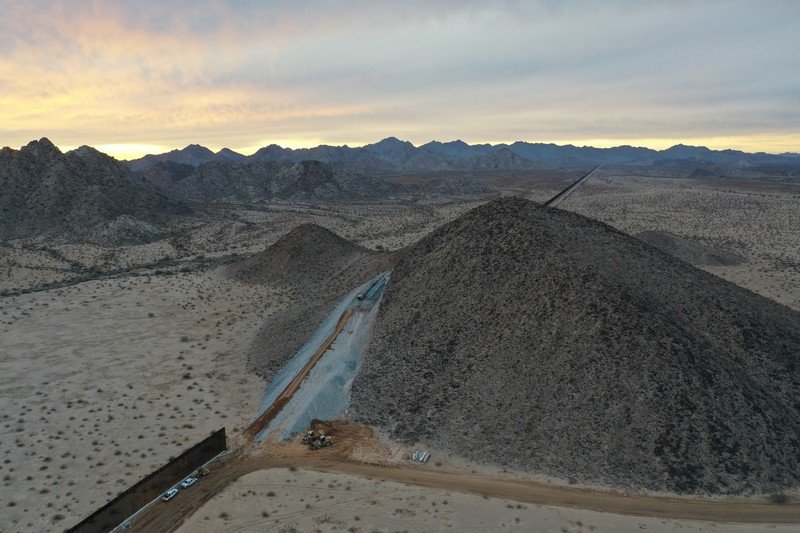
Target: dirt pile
(82,195)
(320,268)
(538,339)
(690,250)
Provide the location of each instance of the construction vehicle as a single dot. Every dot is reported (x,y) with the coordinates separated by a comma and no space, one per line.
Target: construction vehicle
(322,442)
(316,439)
(308,436)
(200,472)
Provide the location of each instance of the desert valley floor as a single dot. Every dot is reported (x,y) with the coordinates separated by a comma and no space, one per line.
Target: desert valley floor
(115,358)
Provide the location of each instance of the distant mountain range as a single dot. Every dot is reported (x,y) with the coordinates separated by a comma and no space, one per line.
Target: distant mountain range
(393,155)
(259,181)
(86,196)
(194,155)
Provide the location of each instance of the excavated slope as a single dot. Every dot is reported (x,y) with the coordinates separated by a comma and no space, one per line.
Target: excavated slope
(320,268)
(538,339)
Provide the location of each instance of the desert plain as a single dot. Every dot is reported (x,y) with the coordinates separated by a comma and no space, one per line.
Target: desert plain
(115,358)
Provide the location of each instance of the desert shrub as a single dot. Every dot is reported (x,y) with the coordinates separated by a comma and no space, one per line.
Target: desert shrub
(779,498)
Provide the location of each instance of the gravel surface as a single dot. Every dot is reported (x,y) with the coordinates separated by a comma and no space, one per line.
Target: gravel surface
(325,392)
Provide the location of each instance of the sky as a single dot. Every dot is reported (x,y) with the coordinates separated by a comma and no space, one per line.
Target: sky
(142,76)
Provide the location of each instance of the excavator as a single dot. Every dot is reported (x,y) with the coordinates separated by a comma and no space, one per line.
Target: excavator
(316,439)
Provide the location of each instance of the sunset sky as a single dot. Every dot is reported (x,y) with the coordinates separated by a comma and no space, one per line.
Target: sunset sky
(139,77)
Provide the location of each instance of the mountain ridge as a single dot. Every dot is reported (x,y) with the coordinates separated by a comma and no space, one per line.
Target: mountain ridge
(393,154)
(84,195)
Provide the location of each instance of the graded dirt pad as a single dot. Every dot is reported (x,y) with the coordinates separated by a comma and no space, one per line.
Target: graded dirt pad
(321,268)
(541,340)
(101,383)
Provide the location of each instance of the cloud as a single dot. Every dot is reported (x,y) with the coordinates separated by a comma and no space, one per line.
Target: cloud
(239,73)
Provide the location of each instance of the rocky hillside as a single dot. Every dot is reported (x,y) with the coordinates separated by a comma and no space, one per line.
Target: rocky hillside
(538,339)
(309,254)
(262,181)
(193,155)
(320,268)
(82,195)
(166,174)
(392,154)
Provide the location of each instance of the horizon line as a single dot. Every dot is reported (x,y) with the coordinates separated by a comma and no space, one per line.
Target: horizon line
(133,151)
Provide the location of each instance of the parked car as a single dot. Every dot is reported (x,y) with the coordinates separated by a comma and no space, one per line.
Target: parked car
(169,494)
(188,482)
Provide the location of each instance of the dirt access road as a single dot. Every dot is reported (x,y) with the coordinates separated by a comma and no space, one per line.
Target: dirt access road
(350,438)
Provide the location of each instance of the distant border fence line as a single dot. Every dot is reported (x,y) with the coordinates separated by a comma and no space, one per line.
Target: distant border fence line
(131,500)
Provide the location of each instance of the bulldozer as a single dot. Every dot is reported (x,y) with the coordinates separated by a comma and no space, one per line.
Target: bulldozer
(316,439)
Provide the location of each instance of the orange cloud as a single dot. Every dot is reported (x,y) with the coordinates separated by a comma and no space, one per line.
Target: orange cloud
(131,75)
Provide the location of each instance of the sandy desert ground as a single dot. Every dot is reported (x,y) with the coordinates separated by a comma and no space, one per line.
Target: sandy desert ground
(105,379)
(138,352)
(223,235)
(757,219)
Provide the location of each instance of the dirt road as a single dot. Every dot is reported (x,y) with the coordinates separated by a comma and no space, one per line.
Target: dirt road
(351,437)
